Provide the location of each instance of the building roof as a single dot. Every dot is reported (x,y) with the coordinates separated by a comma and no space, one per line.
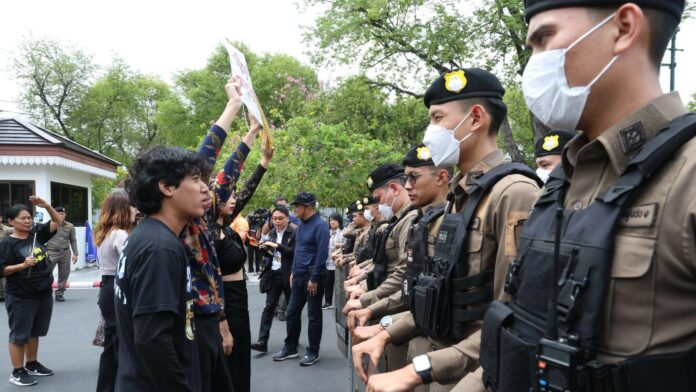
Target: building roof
(19,132)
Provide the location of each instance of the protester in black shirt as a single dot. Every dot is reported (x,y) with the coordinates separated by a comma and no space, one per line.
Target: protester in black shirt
(24,261)
(153,314)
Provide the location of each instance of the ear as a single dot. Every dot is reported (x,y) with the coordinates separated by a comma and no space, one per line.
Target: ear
(631,28)
(442,177)
(479,118)
(167,190)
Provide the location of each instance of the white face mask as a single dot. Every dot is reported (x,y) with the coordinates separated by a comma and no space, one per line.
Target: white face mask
(546,90)
(443,145)
(367,214)
(386,210)
(543,174)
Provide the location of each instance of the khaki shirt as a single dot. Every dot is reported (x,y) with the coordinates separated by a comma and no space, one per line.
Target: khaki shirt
(394,303)
(491,245)
(395,248)
(649,307)
(64,237)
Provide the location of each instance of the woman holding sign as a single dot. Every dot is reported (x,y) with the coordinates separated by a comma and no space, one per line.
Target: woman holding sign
(24,261)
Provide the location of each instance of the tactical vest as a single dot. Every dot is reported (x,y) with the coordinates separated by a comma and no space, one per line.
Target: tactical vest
(348,246)
(445,293)
(417,251)
(545,338)
(380,260)
(368,250)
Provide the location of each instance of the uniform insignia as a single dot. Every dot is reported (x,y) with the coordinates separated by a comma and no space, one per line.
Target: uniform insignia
(472,177)
(365,200)
(456,81)
(369,182)
(424,153)
(639,216)
(551,142)
(632,137)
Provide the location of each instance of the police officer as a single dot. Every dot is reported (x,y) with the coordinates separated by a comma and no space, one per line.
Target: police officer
(615,227)
(361,263)
(547,152)
(488,203)
(389,258)
(427,190)
(59,252)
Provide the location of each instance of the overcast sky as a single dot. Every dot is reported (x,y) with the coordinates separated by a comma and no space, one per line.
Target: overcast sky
(162,37)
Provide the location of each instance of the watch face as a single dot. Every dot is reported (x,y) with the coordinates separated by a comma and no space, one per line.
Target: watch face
(386,321)
(421,363)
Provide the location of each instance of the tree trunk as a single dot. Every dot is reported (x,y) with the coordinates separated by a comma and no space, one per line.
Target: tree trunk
(511,146)
(539,130)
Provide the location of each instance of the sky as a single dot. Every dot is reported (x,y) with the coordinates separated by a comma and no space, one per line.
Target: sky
(163,37)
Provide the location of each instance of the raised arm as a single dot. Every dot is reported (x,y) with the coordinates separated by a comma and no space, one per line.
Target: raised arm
(253,182)
(212,143)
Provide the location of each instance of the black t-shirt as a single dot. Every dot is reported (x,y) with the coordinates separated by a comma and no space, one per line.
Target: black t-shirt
(231,252)
(34,282)
(153,317)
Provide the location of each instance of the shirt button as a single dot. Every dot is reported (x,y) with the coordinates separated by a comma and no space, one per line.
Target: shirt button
(577,206)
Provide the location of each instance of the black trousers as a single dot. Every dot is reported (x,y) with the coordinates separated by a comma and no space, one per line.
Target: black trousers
(237,312)
(329,280)
(298,298)
(281,285)
(108,361)
(212,362)
(254,257)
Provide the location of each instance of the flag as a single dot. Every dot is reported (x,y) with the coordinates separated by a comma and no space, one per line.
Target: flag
(90,248)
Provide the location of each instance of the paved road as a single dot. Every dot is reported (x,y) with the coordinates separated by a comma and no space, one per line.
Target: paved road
(68,351)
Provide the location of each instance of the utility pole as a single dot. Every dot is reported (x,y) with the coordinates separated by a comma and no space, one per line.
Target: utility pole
(672,65)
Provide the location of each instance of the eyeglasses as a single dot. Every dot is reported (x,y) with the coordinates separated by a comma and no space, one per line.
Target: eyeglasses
(412,177)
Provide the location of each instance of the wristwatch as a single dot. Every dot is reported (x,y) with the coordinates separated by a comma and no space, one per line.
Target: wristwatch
(422,366)
(386,321)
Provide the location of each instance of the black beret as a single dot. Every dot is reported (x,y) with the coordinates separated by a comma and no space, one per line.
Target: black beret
(383,174)
(552,143)
(418,156)
(533,7)
(305,198)
(463,84)
(60,209)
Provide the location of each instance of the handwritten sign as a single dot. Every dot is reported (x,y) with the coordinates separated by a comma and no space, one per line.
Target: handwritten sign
(249,99)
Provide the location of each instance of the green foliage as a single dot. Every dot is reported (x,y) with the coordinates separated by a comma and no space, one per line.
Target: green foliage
(692,104)
(101,187)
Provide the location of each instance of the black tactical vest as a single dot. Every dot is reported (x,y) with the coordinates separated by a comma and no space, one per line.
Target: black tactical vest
(380,260)
(445,294)
(417,250)
(545,338)
(367,251)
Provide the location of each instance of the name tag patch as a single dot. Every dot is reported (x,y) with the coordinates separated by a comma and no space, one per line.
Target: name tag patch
(639,216)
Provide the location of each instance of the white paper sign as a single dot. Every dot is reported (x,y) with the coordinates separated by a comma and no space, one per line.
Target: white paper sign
(240,69)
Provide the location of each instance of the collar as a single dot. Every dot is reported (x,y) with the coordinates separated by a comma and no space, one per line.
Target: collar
(436,204)
(462,181)
(620,142)
(404,209)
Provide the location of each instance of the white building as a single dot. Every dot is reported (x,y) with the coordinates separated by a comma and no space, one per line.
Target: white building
(34,160)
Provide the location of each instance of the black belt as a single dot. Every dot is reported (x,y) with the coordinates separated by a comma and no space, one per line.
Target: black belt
(673,372)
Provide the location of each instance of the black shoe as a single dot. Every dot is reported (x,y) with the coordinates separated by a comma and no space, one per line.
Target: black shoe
(285,354)
(2,299)
(22,378)
(37,369)
(327,306)
(309,359)
(59,298)
(260,346)
(281,316)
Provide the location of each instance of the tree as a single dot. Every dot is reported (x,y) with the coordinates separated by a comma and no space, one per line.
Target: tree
(53,81)
(404,44)
(692,104)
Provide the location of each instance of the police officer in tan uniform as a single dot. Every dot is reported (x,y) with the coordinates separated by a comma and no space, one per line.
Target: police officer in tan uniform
(643,330)
(59,248)
(389,258)
(466,110)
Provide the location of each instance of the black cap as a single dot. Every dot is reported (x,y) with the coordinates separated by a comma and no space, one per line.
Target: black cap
(463,84)
(533,7)
(383,174)
(59,209)
(305,198)
(552,143)
(418,156)
(356,206)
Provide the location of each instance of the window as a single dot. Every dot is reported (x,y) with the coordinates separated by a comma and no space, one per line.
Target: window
(73,198)
(15,192)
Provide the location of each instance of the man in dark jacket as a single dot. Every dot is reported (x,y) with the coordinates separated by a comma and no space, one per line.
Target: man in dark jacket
(281,244)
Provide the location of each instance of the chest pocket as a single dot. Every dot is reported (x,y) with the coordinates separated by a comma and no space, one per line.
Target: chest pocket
(475,235)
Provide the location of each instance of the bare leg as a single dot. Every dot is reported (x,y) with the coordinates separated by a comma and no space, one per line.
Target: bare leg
(32,349)
(17,355)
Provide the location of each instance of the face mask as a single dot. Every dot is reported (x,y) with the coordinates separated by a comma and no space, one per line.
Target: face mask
(546,90)
(386,210)
(442,144)
(543,174)
(367,214)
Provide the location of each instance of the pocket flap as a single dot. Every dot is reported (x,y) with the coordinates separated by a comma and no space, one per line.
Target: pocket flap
(632,256)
